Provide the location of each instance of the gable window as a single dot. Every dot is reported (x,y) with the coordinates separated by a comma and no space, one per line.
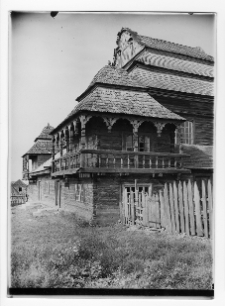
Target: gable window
(185,133)
(144,143)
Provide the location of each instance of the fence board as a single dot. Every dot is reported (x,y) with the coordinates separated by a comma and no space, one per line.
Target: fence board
(165,209)
(172,208)
(210,203)
(181,207)
(197,211)
(176,207)
(132,207)
(186,208)
(191,208)
(144,212)
(204,209)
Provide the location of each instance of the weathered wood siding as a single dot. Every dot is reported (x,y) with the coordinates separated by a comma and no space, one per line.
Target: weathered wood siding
(200,112)
(82,206)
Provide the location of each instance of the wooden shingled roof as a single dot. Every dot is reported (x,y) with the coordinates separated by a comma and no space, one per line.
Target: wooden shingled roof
(158,59)
(172,82)
(40,147)
(45,133)
(159,44)
(200,157)
(43,143)
(120,101)
(114,76)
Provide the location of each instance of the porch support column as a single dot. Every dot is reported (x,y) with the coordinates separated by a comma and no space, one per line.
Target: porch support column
(109,123)
(67,139)
(159,127)
(53,153)
(176,137)
(83,119)
(136,124)
(71,139)
(61,144)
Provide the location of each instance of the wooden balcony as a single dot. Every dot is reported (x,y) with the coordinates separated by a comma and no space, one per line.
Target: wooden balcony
(105,161)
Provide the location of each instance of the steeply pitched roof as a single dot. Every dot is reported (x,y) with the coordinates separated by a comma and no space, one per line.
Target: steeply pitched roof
(19,183)
(172,82)
(159,44)
(114,76)
(127,102)
(45,133)
(201,157)
(174,63)
(40,147)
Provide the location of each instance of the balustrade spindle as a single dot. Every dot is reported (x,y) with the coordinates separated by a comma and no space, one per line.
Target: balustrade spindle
(175,163)
(114,161)
(143,161)
(169,163)
(128,161)
(107,162)
(163,163)
(156,162)
(150,162)
(121,162)
(99,161)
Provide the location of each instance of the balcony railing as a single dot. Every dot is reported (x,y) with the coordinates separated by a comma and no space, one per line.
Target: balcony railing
(118,161)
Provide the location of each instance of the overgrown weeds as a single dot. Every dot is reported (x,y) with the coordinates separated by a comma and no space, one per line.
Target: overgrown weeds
(59,250)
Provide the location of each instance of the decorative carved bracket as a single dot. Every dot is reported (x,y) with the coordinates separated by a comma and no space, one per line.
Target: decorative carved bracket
(159,127)
(136,124)
(84,119)
(110,122)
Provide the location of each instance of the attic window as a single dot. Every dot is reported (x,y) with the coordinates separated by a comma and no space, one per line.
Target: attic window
(20,189)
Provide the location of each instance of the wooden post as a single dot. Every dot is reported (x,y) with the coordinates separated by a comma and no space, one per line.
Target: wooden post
(53,154)
(125,207)
(204,210)
(181,207)
(132,207)
(171,208)
(176,207)
(71,140)
(191,208)
(147,204)
(210,204)
(197,210)
(165,209)
(186,209)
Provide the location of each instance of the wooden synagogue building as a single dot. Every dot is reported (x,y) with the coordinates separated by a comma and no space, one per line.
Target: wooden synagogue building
(145,119)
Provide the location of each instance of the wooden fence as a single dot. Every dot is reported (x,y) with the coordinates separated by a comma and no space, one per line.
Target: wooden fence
(181,207)
(18,199)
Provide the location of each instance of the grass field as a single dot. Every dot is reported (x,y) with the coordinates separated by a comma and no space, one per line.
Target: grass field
(55,249)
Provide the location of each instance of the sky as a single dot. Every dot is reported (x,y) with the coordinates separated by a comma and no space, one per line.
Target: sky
(53,60)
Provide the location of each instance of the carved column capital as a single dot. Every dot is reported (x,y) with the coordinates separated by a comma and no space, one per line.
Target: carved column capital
(84,119)
(109,122)
(136,124)
(159,127)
